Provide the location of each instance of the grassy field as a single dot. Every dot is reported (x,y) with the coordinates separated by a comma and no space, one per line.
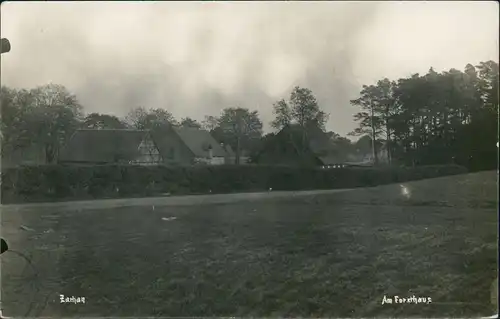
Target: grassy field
(331,255)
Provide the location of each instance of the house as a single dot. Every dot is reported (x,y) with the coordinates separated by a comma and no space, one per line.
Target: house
(106,146)
(188,145)
(294,145)
(170,146)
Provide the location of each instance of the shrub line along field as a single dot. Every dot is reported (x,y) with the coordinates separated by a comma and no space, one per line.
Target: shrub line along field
(324,255)
(180,200)
(51,183)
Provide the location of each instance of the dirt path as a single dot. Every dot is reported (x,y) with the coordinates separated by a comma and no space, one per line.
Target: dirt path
(188,200)
(167,200)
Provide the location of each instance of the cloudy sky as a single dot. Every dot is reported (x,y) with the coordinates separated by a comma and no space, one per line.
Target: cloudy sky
(196,58)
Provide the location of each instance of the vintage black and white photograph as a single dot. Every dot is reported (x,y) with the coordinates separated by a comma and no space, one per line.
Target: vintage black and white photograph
(285,159)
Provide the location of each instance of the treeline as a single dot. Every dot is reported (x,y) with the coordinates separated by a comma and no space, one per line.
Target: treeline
(436,118)
(47,116)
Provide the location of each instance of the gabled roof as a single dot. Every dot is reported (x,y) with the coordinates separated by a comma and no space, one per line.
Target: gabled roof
(317,142)
(103,146)
(199,141)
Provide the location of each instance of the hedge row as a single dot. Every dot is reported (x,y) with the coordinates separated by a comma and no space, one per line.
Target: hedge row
(59,182)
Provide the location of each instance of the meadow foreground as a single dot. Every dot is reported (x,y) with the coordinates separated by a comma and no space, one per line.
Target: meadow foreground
(327,255)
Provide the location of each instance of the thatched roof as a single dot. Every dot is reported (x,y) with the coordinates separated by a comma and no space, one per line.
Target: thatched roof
(102,146)
(199,141)
(113,145)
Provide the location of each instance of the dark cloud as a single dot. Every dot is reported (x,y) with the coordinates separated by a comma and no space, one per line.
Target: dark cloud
(194,59)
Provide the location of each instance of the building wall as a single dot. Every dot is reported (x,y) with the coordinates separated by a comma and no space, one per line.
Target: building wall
(232,159)
(149,153)
(211,161)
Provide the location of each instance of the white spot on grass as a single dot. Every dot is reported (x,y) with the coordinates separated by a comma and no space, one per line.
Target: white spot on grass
(26,228)
(168,219)
(405,191)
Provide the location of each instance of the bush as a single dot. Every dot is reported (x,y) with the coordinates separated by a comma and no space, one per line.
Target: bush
(65,182)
